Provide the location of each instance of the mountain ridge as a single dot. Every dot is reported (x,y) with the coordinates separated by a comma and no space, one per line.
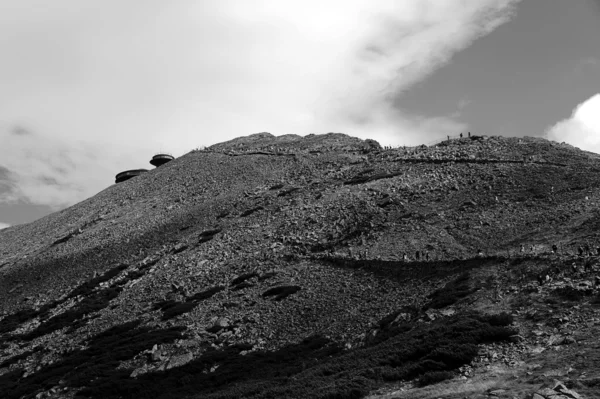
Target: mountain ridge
(265,241)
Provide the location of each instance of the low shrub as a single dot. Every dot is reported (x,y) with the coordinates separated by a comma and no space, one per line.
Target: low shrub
(451,293)
(499,319)
(281,292)
(313,368)
(72,318)
(243,277)
(433,377)
(569,293)
(173,308)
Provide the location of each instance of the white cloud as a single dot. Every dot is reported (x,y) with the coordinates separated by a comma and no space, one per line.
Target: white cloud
(582,129)
(4,225)
(104,84)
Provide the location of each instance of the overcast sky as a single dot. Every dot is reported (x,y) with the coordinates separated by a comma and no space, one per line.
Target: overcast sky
(90,88)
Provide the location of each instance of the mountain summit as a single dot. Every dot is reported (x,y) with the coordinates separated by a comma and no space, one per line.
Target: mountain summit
(321,266)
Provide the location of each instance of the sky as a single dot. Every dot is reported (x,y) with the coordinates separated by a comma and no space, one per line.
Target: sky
(93,88)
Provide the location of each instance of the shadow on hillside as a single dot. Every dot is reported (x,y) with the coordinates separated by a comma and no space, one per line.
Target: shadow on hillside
(315,367)
(413,270)
(95,296)
(93,299)
(75,264)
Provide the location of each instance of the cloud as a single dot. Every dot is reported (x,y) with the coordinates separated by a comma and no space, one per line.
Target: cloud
(582,129)
(50,171)
(93,88)
(4,225)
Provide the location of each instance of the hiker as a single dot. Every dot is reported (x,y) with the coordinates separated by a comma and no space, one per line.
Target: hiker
(598,251)
(417,255)
(427,256)
(469,134)
(522,249)
(587,249)
(461,135)
(479,252)
(574,268)
(404,257)
(554,249)
(532,248)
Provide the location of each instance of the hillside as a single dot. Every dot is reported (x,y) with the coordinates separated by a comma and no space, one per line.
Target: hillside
(269,267)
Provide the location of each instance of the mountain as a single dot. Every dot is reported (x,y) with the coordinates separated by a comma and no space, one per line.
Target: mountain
(317,266)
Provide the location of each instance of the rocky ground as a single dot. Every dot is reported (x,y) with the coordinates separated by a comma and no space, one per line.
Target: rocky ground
(323,255)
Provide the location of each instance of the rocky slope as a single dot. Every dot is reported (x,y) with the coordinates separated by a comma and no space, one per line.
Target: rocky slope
(297,251)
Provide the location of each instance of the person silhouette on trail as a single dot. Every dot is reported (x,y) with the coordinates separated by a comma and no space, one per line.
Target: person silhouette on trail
(417,255)
(554,249)
(461,135)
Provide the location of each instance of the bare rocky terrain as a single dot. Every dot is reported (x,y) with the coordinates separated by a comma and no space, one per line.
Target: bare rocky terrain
(321,266)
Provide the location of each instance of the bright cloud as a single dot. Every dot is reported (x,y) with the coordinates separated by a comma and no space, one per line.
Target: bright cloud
(582,129)
(4,225)
(102,85)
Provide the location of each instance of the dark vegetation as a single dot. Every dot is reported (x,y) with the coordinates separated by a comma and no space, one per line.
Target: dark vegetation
(250,211)
(288,191)
(73,317)
(16,358)
(409,270)
(207,235)
(179,249)
(94,368)
(365,179)
(93,301)
(66,238)
(243,277)
(171,308)
(452,292)
(281,292)
(313,368)
(572,294)
(88,286)
(432,377)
